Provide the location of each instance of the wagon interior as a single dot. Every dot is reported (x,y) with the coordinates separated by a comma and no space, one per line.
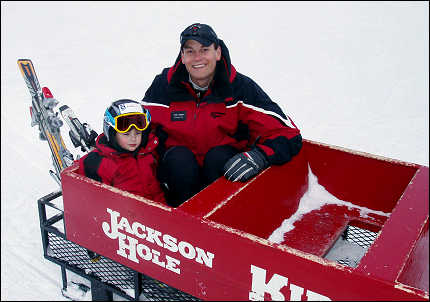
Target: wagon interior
(328,201)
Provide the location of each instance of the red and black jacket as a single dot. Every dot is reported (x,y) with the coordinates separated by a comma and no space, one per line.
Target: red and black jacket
(234,111)
(134,172)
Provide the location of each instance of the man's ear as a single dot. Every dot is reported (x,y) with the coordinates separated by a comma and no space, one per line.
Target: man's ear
(218,53)
(182,56)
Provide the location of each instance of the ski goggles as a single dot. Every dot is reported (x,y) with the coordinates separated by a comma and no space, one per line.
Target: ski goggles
(123,122)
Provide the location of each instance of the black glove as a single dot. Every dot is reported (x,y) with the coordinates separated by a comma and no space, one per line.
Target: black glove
(245,165)
(89,135)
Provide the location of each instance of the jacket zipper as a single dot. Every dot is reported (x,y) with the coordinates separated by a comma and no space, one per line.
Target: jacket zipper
(197,108)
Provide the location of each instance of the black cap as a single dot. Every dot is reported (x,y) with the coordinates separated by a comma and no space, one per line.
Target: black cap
(202,33)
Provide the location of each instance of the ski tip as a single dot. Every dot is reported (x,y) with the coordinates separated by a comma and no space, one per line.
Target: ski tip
(23,60)
(26,68)
(47,93)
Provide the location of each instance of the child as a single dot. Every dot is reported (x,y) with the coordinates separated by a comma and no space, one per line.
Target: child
(125,156)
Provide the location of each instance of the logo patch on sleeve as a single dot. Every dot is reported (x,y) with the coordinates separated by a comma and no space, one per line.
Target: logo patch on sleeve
(176,116)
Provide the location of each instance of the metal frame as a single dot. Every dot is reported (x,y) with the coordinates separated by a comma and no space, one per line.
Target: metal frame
(106,276)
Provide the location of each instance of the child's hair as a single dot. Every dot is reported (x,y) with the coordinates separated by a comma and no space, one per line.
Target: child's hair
(123,114)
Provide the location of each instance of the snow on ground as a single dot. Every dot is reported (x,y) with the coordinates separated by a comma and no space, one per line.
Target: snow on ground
(352,74)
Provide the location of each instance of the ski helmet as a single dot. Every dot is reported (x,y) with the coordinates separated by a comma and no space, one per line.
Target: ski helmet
(123,108)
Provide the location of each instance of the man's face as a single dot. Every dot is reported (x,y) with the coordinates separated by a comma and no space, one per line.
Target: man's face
(200,61)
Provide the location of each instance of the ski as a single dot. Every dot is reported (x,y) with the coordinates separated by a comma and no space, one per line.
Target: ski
(42,114)
(81,135)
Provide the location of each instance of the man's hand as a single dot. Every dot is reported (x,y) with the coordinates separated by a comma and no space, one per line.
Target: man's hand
(245,165)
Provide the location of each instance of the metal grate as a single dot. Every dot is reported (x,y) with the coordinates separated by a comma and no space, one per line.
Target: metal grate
(107,270)
(111,272)
(351,246)
(362,237)
(345,262)
(155,290)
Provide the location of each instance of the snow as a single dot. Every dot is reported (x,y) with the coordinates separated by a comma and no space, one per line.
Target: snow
(315,198)
(346,251)
(76,293)
(351,74)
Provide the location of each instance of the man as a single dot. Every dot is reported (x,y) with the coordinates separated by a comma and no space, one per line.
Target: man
(217,120)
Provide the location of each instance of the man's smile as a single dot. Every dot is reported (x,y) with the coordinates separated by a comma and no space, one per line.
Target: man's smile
(199,66)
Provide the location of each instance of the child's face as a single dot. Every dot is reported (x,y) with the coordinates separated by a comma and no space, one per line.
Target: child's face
(129,140)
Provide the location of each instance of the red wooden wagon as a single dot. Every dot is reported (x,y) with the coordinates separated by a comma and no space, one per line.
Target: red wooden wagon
(333,224)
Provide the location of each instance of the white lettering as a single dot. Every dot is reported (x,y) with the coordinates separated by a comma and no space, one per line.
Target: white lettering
(123,224)
(183,245)
(273,287)
(131,246)
(145,256)
(259,287)
(170,243)
(296,292)
(155,259)
(113,223)
(204,258)
(153,236)
(136,226)
(313,296)
(172,264)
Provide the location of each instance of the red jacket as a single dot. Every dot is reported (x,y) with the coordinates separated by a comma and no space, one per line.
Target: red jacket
(134,172)
(234,111)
